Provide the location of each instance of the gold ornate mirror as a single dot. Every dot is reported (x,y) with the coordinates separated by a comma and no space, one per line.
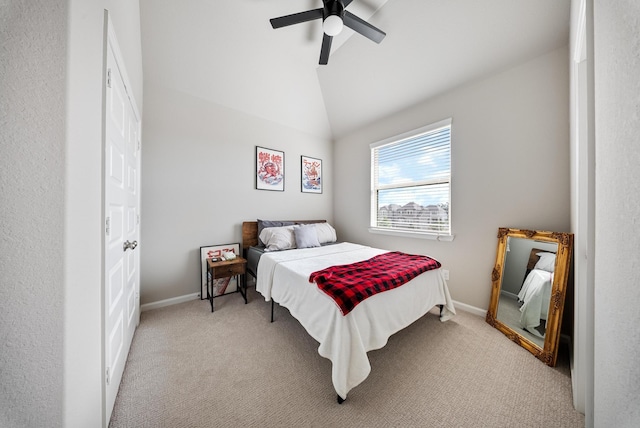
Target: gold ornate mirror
(529,283)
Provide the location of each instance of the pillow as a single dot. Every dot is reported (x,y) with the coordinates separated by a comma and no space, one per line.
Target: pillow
(547,262)
(263,224)
(326,233)
(278,238)
(306,236)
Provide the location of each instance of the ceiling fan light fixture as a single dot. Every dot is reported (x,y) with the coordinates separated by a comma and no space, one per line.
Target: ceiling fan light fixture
(334,19)
(332,25)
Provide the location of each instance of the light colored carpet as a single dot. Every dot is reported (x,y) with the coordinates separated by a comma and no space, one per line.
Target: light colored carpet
(189,367)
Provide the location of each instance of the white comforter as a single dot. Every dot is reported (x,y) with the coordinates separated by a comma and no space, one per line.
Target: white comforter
(345,340)
(535,293)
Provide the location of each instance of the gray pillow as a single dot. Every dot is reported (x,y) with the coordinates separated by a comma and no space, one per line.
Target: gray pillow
(306,236)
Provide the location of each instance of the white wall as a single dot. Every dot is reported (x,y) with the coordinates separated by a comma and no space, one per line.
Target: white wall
(617,295)
(198,184)
(510,166)
(32,165)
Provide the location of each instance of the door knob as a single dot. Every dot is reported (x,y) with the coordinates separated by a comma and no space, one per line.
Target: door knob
(128,245)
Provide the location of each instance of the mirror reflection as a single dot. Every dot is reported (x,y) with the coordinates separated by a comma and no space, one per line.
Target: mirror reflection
(525,291)
(529,283)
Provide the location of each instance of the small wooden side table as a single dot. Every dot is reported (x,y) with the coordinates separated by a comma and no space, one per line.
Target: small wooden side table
(227,269)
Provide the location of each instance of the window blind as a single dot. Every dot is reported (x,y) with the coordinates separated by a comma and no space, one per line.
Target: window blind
(411,176)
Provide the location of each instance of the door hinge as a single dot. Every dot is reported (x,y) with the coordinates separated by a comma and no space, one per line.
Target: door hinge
(107,229)
(108,376)
(138,219)
(138,145)
(108,78)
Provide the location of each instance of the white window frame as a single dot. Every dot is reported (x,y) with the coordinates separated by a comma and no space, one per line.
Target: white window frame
(413,233)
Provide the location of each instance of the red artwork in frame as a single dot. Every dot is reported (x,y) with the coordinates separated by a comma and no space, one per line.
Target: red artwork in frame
(269,169)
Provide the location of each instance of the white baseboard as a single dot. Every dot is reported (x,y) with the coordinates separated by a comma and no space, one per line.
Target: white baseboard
(169,302)
(181,299)
(471,309)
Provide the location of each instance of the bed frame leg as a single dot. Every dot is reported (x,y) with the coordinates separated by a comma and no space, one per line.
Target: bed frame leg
(271,310)
(441,307)
(340,399)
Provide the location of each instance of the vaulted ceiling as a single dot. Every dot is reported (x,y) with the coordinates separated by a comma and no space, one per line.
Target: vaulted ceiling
(227,53)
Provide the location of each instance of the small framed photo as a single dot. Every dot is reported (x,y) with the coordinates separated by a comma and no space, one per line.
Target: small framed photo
(311,174)
(220,286)
(269,169)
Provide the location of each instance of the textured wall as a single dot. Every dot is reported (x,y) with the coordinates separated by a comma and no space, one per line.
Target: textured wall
(617,295)
(51,206)
(32,110)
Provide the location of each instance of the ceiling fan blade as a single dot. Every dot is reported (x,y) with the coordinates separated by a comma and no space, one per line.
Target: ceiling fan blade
(346,3)
(296,18)
(363,27)
(326,49)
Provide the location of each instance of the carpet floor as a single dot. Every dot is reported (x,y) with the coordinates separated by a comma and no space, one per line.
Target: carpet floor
(189,367)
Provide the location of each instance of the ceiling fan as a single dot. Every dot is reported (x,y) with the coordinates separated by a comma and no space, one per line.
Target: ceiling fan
(334,17)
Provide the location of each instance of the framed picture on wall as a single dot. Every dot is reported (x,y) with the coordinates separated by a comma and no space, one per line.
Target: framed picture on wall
(311,174)
(220,286)
(269,169)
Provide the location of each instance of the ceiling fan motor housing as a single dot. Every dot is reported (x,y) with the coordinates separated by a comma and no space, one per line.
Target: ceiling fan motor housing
(333,8)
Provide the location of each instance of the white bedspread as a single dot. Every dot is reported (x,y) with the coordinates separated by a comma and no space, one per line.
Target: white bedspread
(345,340)
(535,293)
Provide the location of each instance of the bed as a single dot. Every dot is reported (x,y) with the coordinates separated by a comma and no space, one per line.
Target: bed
(535,292)
(283,277)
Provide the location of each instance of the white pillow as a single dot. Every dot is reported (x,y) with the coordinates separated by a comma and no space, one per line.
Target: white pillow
(278,238)
(326,233)
(547,262)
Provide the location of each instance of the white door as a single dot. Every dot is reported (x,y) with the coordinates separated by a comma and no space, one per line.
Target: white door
(122,222)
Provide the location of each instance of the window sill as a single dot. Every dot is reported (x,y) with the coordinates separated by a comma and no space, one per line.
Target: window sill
(412,234)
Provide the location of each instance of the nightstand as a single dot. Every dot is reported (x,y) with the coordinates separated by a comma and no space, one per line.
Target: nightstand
(227,269)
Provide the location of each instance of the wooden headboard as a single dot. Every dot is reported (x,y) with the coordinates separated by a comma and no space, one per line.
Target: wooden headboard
(250,231)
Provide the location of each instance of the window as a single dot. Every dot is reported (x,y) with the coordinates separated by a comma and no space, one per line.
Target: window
(411,183)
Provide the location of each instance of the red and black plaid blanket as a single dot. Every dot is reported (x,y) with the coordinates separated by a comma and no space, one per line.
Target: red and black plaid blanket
(350,284)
